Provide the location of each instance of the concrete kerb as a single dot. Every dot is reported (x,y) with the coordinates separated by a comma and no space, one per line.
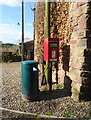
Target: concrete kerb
(33,115)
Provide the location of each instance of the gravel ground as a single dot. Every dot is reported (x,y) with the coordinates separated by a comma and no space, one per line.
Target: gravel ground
(56,103)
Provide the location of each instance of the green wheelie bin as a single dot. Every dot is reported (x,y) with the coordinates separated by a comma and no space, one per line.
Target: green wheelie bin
(29,76)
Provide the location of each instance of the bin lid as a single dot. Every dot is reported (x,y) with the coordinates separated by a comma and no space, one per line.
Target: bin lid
(29,62)
(35,69)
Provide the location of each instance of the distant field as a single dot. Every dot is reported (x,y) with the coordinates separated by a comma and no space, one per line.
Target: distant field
(9,47)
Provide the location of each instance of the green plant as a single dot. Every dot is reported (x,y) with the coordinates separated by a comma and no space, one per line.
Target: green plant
(10,57)
(87,117)
(68,113)
(37,113)
(58,86)
(49,113)
(44,89)
(9,61)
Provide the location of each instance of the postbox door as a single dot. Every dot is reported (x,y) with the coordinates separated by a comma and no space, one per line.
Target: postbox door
(53,52)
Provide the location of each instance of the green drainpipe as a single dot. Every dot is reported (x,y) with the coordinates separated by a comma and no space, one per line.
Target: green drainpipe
(48,70)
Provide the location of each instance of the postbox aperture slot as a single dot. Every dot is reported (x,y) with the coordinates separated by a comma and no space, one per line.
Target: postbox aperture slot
(53,44)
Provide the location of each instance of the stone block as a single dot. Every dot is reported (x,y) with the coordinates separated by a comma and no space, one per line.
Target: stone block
(82,43)
(75,94)
(79,96)
(89,43)
(73,6)
(87,52)
(89,20)
(76,79)
(82,21)
(87,60)
(77,86)
(76,57)
(85,96)
(72,41)
(88,32)
(74,13)
(76,28)
(86,88)
(86,74)
(79,4)
(75,22)
(81,33)
(81,10)
(86,67)
(86,81)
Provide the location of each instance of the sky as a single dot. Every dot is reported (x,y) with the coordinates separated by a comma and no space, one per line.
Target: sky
(10,15)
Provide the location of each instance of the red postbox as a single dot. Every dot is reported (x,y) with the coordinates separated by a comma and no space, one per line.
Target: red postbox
(51,49)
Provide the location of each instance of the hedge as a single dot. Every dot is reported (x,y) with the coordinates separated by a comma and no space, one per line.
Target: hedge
(11,57)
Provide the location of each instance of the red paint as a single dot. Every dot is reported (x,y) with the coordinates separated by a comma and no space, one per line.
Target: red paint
(51,49)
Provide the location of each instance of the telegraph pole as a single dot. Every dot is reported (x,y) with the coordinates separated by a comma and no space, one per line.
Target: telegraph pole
(22,46)
(34,29)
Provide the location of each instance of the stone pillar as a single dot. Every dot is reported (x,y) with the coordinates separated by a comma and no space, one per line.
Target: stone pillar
(80,48)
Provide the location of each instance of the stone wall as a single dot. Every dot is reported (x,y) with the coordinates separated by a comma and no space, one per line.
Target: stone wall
(39,30)
(79,72)
(58,28)
(39,35)
(70,22)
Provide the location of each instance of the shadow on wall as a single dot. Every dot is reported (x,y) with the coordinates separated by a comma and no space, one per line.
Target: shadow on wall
(67,84)
(66,59)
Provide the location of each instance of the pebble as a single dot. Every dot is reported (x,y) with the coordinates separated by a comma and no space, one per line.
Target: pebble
(57,101)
